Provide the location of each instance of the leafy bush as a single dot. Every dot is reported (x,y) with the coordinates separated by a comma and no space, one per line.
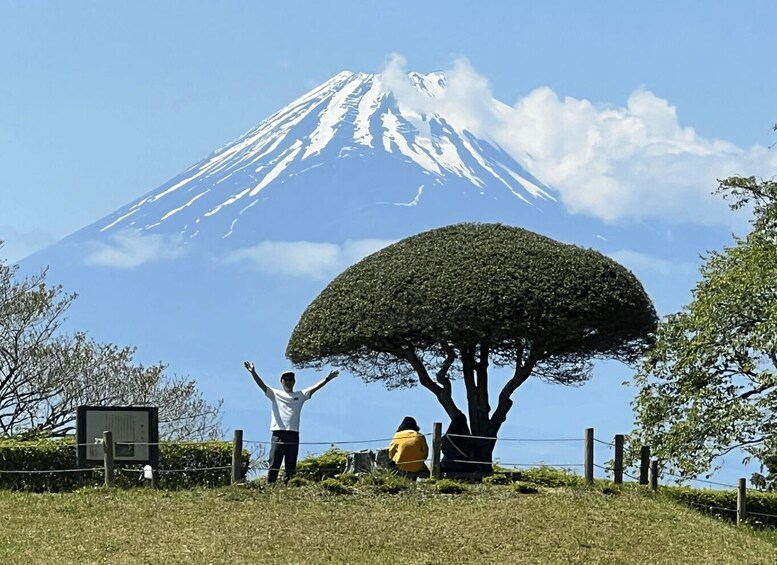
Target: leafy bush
(724,502)
(335,486)
(348,478)
(610,489)
(525,488)
(449,486)
(550,477)
(498,479)
(298,482)
(388,482)
(180,466)
(40,456)
(201,459)
(318,467)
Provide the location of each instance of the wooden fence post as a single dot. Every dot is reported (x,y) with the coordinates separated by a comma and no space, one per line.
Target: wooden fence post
(237,457)
(644,464)
(436,447)
(589,455)
(617,471)
(741,501)
(654,474)
(110,478)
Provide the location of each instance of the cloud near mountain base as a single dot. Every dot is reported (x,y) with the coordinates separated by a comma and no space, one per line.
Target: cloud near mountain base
(129,249)
(304,258)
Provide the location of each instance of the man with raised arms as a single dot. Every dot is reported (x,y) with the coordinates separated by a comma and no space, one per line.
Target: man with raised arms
(284,423)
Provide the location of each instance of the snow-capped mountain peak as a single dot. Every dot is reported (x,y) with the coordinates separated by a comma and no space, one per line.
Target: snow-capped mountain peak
(330,133)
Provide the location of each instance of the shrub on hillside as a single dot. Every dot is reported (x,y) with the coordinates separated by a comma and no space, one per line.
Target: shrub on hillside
(498,479)
(724,502)
(388,482)
(49,464)
(525,488)
(449,486)
(334,486)
(348,478)
(42,458)
(318,467)
(201,461)
(550,477)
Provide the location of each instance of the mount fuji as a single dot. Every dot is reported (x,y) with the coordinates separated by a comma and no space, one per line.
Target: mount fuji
(216,265)
(346,150)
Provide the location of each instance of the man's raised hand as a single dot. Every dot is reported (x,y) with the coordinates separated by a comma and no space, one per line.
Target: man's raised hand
(332,374)
(249,366)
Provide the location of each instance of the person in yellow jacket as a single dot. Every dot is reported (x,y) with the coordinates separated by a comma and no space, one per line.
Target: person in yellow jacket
(408,449)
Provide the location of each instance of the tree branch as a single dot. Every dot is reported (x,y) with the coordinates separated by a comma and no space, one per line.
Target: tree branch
(443,394)
(522,372)
(753,392)
(450,358)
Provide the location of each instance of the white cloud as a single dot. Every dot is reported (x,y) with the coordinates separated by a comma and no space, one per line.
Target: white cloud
(305,258)
(466,100)
(611,162)
(129,249)
(632,162)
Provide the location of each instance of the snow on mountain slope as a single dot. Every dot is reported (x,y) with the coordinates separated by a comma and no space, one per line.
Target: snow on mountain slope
(346,144)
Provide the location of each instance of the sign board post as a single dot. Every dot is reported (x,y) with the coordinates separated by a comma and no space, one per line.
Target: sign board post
(135,433)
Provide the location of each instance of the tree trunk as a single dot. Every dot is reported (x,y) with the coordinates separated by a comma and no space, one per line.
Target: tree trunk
(483,426)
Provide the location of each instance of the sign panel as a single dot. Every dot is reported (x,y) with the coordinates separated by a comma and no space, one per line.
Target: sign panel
(135,433)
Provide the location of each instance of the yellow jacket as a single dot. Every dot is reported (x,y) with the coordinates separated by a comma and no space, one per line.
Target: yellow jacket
(408,450)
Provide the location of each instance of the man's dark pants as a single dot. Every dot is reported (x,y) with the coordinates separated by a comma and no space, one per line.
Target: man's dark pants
(285,445)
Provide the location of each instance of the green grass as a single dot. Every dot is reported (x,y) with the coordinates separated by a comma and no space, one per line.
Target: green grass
(309,524)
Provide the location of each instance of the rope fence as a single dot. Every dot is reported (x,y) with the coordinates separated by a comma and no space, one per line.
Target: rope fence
(385,440)
(648,466)
(347,442)
(44,471)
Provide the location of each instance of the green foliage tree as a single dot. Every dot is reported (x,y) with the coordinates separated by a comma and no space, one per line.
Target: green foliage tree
(45,374)
(449,303)
(709,386)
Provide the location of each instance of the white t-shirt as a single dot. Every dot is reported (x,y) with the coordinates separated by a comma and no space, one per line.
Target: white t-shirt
(286,408)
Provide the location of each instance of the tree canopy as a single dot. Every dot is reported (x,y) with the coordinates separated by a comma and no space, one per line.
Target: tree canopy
(454,300)
(710,384)
(45,373)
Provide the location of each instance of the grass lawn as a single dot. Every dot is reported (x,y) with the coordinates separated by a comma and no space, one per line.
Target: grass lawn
(309,525)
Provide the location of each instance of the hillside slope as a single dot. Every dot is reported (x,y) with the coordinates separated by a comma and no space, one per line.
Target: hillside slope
(307,525)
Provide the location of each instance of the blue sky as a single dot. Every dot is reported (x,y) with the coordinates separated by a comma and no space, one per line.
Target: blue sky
(100,102)
(631,109)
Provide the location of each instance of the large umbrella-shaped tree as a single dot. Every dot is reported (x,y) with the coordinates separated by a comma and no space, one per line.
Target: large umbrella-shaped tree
(446,304)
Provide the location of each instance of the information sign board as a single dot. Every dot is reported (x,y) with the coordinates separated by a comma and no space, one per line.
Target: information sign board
(135,432)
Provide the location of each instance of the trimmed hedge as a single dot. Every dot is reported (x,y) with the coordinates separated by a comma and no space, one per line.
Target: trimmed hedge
(180,466)
(38,456)
(724,502)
